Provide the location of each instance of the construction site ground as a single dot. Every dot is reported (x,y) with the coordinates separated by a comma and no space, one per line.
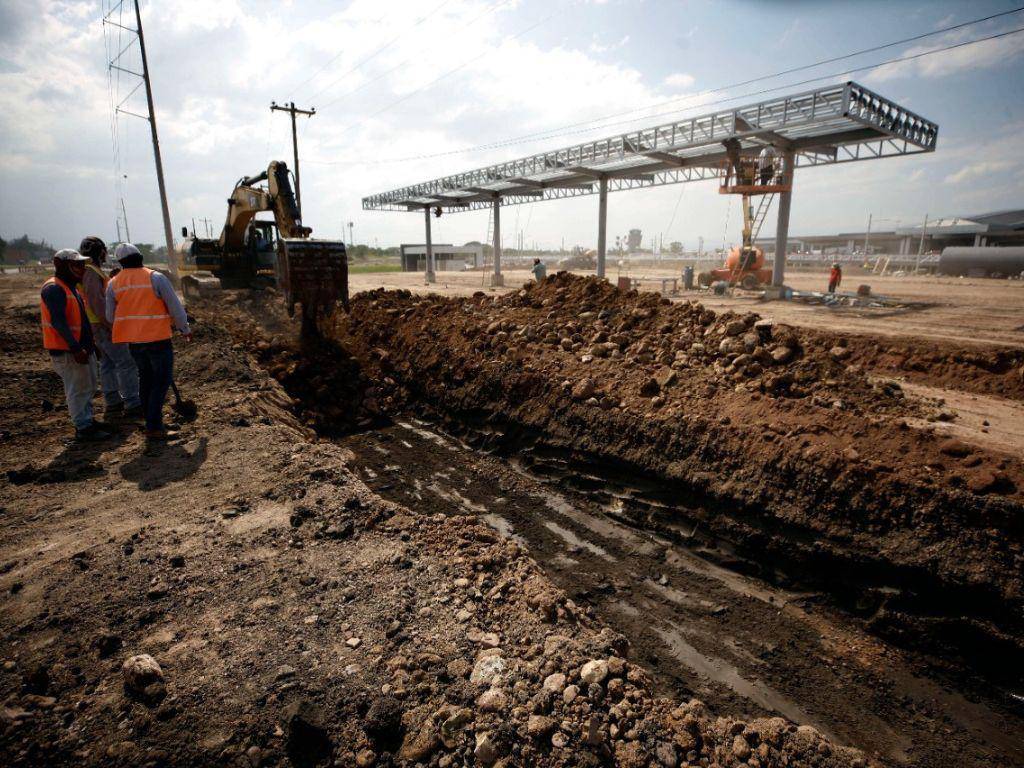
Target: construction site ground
(469,531)
(965,310)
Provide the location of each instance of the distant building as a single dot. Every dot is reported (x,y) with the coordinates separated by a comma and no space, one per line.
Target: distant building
(447,257)
(999,228)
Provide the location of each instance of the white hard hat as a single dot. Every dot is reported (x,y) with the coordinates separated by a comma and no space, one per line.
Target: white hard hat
(125,250)
(69,254)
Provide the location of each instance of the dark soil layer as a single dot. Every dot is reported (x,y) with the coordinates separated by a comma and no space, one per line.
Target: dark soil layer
(771,438)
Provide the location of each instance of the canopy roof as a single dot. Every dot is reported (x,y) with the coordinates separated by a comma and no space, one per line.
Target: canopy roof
(835,124)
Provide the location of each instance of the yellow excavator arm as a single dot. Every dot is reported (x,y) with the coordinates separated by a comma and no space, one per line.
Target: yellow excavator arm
(247,199)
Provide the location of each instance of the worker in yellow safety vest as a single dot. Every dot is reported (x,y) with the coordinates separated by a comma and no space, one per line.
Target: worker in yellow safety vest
(142,308)
(119,378)
(67,336)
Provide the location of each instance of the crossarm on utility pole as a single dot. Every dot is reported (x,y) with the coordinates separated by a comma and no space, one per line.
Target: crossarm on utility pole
(292,110)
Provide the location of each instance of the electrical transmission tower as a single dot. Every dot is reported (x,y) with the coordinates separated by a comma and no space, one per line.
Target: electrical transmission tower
(129,39)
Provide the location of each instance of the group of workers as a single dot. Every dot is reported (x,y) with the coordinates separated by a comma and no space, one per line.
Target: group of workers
(114,330)
(763,172)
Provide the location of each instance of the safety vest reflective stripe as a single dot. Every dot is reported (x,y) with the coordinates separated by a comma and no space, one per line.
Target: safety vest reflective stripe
(140,315)
(52,339)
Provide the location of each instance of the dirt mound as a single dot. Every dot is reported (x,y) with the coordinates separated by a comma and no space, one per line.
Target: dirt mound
(766,436)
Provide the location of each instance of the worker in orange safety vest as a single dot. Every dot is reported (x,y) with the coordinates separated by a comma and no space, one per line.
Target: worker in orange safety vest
(68,338)
(142,308)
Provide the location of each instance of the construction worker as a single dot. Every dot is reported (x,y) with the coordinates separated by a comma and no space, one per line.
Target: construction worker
(119,378)
(142,307)
(68,337)
(766,164)
(732,151)
(540,271)
(835,277)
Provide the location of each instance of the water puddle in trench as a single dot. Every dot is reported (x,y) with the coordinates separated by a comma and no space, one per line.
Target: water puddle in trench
(722,672)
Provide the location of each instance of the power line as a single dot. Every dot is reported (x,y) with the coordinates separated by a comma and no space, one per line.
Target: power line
(561,130)
(556,132)
(368,58)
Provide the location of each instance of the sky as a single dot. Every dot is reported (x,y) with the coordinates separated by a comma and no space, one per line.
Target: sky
(409,91)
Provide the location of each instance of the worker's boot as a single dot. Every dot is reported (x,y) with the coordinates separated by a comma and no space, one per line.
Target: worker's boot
(92,433)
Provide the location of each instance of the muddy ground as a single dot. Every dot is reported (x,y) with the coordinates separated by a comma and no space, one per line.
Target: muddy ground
(331,550)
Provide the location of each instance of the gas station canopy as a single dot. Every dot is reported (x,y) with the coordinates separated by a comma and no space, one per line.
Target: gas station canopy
(836,124)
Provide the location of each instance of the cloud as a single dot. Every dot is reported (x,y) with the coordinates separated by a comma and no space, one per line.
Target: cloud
(598,47)
(680,80)
(991,53)
(979,170)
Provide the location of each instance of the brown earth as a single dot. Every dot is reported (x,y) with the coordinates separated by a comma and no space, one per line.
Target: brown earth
(801,463)
(296,618)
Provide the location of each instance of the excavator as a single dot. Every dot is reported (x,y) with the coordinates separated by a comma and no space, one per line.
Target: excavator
(252,253)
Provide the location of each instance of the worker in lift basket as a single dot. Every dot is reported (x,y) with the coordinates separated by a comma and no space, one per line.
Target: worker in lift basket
(142,307)
(67,336)
(766,164)
(539,270)
(835,277)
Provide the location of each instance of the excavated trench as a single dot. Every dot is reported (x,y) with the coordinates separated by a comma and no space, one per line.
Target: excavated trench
(746,612)
(694,613)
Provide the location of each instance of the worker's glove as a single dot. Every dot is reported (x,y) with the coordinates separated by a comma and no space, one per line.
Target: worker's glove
(81,356)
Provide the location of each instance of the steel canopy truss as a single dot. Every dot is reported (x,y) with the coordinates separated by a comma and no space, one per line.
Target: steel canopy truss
(835,124)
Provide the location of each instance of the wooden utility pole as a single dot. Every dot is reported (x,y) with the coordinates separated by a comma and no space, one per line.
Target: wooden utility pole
(171,263)
(292,110)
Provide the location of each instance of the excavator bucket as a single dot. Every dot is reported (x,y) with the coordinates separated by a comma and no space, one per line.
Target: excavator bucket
(314,274)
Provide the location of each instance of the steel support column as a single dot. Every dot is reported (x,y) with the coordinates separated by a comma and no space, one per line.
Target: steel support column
(602,224)
(431,277)
(497,279)
(782,227)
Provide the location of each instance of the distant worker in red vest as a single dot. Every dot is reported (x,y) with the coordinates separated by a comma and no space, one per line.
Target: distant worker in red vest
(142,308)
(119,378)
(835,277)
(67,335)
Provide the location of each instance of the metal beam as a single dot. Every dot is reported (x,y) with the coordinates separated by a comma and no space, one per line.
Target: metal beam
(777,139)
(602,226)
(431,277)
(497,279)
(782,227)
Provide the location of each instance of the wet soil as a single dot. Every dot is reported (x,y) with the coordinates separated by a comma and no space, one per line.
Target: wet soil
(701,626)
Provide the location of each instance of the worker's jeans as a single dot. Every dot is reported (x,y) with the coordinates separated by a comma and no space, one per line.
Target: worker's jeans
(155,361)
(119,378)
(79,386)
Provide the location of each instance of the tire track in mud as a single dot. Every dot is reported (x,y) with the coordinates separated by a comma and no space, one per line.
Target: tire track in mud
(739,643)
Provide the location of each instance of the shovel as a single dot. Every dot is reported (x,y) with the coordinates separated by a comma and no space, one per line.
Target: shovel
(186,409)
